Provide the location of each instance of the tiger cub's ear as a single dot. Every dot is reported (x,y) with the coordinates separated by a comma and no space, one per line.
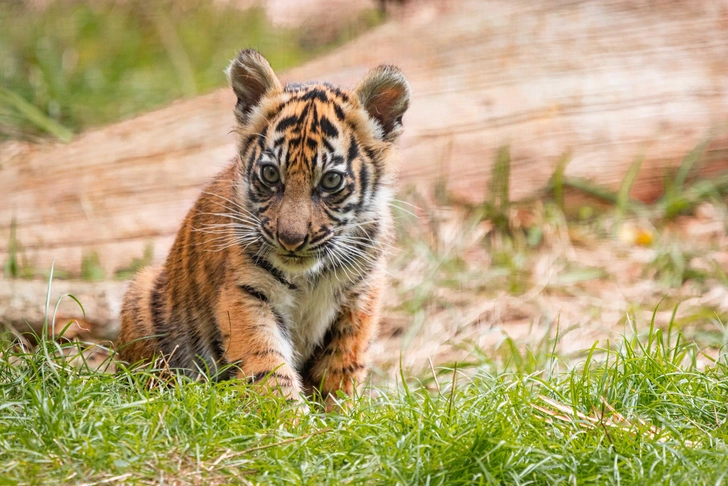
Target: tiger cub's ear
(385,93)
(251,78)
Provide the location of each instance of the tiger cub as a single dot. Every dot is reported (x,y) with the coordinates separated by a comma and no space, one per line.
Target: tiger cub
(278,269)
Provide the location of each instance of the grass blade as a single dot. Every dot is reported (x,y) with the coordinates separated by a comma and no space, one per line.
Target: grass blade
(34,115)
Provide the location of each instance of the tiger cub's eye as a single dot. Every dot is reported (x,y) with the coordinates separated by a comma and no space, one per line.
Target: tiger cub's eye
(332,181)
(270,174)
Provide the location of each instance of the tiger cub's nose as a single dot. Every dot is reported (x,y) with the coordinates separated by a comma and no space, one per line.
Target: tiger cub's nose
(292,241)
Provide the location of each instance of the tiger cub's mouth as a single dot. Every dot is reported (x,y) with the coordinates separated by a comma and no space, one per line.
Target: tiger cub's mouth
(296,263)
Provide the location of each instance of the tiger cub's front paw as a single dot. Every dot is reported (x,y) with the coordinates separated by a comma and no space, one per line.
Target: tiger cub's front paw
(279,384)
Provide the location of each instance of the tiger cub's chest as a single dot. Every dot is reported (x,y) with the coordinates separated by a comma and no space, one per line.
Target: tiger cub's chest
(309,312)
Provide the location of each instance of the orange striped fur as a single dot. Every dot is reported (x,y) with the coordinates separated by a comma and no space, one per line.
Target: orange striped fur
(279,266)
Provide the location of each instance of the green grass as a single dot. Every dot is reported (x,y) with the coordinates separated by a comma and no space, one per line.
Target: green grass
(71,65)
(684,190)
(641,411)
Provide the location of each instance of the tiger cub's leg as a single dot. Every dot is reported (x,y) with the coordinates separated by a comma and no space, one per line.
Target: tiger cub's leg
(342,359)
(255,339)
(137,327)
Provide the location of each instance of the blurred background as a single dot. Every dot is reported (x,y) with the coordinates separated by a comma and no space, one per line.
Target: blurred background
(564,170)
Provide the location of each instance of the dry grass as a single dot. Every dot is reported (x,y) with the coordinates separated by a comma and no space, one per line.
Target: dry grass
(463,285)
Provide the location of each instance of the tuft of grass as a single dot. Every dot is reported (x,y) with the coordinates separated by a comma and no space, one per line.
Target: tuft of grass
(16,265)
(649,409)
(556,183)
(674,201)
(136,264)
(12,265)
(91,269)
(498,201)
(625,187)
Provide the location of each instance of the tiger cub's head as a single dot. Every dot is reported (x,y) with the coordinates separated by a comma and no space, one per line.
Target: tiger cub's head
(316,179)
